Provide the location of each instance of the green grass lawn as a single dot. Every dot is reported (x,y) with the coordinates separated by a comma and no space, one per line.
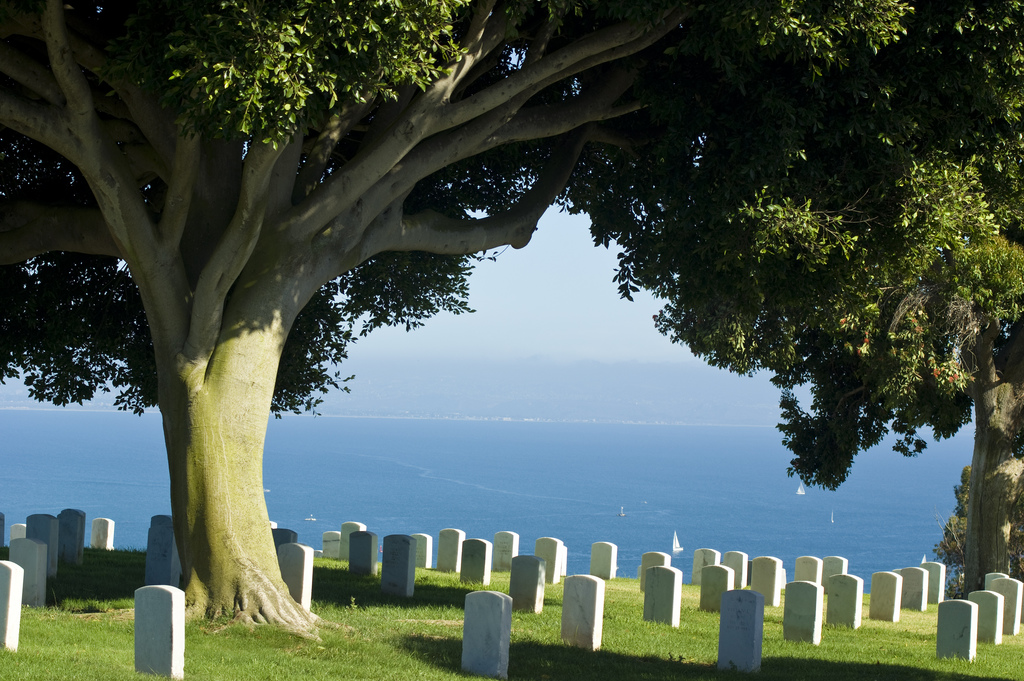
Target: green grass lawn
(86,633)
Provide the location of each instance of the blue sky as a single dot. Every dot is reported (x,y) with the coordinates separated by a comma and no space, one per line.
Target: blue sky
(552,300)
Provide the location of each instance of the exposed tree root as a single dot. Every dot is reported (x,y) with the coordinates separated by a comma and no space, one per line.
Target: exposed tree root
(254,600)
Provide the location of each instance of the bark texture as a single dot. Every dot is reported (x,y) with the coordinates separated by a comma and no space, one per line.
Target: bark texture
(997,476)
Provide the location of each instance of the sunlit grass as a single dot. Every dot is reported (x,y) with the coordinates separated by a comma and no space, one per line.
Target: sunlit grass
(86,633)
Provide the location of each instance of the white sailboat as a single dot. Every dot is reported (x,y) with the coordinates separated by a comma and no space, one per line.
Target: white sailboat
(676,548)
(622,513)
(833,516)
(800,490)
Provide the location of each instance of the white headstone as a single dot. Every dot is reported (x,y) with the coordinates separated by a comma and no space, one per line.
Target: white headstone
(738,561)
(362,553)
(424,550)
(347,528)
(331,541)
(506,547)
(160,631)
(563,559)
(548,550)
(663,595)
(715,580)
(18,531)
(990,615)
(765,578)
(649,560)
(741,631)
(701,559)
(476,561)
(845,601)
(886,596)
(163,567)
(808,569)
(398,569)
(282,536)
(30,555)
(449,550)
(583,611)
(1012,591)
(486,632)
(296,563)
(801,618)
(604,559)
(12,578)
(915,589)
(936,581)
(993,576)
(957,630)
(101,535)
(832,565)
(45,528)
(71,535)
(526,584)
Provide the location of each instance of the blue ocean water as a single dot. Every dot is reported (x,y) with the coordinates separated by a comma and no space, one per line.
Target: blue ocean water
(718,487)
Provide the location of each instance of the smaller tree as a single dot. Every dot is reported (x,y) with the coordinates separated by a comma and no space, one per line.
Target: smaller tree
(951,549)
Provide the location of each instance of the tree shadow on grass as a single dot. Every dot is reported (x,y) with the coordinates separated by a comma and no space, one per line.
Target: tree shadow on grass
(339,587)
(543,662)
(103,576)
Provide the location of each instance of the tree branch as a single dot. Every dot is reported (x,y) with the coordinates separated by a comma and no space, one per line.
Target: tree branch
(29,229)
(31,74)
(435,233)
(484,134)
(232,252)
(604,45)
(283,178)
(486,31)
(179,191)
(333,132)
(42,122)
(1009,359)
(983,355)
(66,70)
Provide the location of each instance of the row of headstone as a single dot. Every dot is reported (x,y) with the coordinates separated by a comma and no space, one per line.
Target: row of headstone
(102,536)
(487,627)
(986,615)
(450,551)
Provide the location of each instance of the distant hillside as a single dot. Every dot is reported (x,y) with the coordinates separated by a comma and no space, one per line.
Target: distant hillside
(688,393)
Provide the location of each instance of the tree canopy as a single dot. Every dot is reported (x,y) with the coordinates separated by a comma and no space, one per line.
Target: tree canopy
(202,204)
(854,227)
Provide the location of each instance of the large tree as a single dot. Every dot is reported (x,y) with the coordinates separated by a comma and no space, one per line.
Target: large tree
(200,200)
(856,230)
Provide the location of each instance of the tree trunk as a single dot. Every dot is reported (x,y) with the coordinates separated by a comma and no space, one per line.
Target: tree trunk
(215,421)
(996,482)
